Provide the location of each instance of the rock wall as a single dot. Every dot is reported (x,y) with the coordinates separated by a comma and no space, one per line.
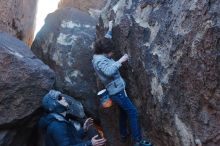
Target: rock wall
(173,70)
(90,6)
(82,4)
(18,18)
(64,44)
(24,80)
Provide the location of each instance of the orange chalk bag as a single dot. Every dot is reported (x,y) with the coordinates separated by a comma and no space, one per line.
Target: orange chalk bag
(105,100)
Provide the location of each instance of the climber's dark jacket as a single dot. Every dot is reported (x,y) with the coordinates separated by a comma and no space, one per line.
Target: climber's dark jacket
(60,132)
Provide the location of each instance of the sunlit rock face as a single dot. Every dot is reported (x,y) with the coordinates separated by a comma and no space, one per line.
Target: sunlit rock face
(18,18)
(173,71)
(24,80)
(92,7)
(64,44)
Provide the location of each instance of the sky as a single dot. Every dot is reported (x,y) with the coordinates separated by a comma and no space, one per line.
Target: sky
(44,7)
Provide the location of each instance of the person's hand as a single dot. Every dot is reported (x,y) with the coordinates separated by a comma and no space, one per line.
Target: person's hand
(98,142)
(87,124)
(110,25)
(123,58)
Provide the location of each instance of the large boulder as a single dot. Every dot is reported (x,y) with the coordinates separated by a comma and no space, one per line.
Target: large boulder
(24,79)
(18,18)
(64,44)
(174,66)
(90,6)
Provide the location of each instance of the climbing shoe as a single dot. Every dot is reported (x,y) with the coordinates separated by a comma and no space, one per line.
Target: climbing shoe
(143,143)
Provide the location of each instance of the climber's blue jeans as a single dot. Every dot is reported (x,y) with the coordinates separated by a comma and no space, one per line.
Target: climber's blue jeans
(127,110)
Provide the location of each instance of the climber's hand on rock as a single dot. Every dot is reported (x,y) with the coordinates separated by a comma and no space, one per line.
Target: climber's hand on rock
(110,25)
(123,58)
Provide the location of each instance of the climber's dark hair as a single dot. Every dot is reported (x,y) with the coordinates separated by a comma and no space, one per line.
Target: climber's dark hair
(103,45)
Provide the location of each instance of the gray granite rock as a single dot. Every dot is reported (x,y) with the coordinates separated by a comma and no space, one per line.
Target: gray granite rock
(24,79)
(64,44)
(173,70)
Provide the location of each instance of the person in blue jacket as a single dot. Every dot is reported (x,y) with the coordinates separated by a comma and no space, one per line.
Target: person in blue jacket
(107,70)
(59,131)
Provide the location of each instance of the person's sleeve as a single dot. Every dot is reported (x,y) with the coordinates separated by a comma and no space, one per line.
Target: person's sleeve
(108,35)
(59,133)
(81,133)
(108,68)
(86,143)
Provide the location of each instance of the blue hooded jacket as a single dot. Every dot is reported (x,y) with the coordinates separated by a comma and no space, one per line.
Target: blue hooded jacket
(60,132)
